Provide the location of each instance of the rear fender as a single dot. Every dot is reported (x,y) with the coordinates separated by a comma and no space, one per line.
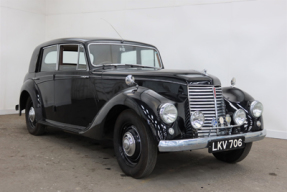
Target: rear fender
(30,89)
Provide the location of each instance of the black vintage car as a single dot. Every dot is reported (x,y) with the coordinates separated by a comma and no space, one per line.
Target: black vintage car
(109,88)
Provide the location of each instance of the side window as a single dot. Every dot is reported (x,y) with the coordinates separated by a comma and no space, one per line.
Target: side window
(68,57)
(49,59)
(72,57)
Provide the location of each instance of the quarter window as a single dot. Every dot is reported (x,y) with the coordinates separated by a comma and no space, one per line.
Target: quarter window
(82,64)
(49,59)
(149,58)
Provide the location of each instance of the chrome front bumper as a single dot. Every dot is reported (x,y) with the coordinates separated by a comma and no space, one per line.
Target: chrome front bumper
(200,143)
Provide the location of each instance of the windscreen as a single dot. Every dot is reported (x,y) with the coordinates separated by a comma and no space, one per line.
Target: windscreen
(101,54)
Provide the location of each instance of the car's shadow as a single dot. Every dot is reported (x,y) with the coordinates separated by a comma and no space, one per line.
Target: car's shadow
(192,164)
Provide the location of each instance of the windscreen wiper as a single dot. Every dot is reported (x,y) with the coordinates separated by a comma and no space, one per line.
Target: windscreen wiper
(142,66)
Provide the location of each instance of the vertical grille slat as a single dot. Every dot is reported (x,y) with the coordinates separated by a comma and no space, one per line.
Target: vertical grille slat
(203,99)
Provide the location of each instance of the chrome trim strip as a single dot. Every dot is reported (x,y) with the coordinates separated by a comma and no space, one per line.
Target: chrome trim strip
(77,67)
(58,57)
(200,143)
(112,43)
(215,102)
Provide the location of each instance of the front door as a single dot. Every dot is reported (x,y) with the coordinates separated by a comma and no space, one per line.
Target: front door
(74,92)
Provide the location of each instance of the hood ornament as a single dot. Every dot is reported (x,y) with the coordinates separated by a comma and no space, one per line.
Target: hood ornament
(130,81)
(205,71)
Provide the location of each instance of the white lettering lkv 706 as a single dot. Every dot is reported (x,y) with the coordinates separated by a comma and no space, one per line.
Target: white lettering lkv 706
(222,145)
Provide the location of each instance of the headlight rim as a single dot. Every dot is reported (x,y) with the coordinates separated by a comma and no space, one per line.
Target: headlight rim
(234,118)
(161,110)
(252,105)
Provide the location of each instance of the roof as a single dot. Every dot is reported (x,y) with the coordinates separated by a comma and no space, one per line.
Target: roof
(77,40)
(87,40)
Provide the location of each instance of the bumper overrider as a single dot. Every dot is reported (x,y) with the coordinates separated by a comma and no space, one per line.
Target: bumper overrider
(200,143)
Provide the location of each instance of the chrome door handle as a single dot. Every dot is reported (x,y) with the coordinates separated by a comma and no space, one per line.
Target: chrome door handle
(85,77)
(35,78)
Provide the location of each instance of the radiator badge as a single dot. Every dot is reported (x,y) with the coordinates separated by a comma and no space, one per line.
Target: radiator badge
(214,122)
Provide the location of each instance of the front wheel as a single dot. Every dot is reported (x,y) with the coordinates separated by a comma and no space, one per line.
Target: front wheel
(233,156)
(134,146)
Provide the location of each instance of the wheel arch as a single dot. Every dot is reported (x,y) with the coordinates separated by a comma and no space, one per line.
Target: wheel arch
(30,89)
(236,98)
(112,117)
(144,102)
(23,100)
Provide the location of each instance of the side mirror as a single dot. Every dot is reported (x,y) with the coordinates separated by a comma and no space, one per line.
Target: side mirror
(233,82)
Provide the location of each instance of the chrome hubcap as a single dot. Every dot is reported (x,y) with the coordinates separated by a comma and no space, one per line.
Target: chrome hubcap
(32,114)
(129,144)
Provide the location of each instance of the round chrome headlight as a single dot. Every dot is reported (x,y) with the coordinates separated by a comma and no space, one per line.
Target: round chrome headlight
(239,117)
(168,113)
(197,119)
(256,108)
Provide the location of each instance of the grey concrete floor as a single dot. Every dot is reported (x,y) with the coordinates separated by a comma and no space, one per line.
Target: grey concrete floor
(60,161)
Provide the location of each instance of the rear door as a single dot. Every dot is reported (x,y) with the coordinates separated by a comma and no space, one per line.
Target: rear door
(44,78)
(74,93)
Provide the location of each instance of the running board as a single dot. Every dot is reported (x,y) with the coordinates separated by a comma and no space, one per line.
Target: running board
(64,126)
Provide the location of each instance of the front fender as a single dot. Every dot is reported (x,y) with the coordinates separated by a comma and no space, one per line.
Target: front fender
(238,99)
(145,102)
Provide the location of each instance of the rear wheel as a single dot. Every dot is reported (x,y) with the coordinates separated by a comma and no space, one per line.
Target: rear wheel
(33,126)
(234,156)
(134,146)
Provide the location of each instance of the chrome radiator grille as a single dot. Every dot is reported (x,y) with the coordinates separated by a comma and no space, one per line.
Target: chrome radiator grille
(209,101)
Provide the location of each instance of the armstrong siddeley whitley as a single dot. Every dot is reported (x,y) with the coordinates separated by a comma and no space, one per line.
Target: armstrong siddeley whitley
(109,88)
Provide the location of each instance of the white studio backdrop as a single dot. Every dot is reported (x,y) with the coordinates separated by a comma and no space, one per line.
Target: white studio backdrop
(246,39)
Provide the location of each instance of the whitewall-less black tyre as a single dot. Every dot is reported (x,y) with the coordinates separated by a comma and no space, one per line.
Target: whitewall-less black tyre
(134,145)
(33,126)
(234,156)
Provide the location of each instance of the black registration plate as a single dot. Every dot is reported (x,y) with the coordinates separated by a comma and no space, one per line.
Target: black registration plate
(226,144)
